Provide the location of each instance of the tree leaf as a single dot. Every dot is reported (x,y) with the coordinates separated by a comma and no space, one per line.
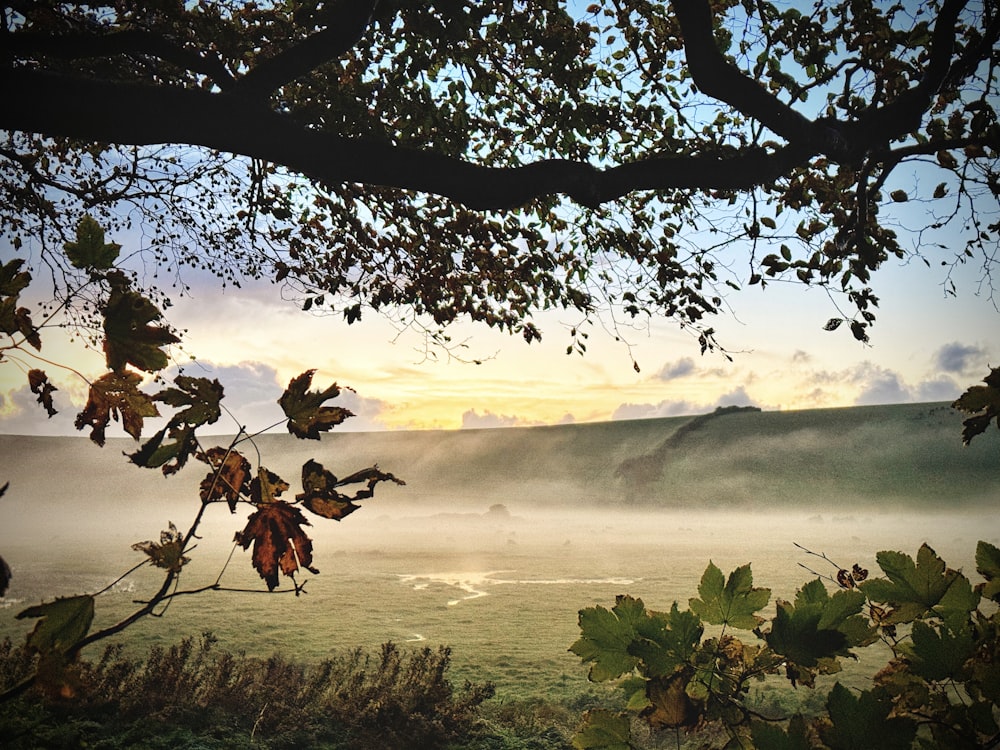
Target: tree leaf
(988,566)
(90,250)
(167,553)
(914,588)
(199,396)
(229,478)
(665,642)
(130,338)
(13,280)
(155,453)
(266,487)
(771,737)
(669,704)
(604,730)
(275,530)
(607,636)
(863,722)
(319,492)
(983,402)
(307,417)
(113,396)
(732,602)
(939,653)
(39,383)
(63,623)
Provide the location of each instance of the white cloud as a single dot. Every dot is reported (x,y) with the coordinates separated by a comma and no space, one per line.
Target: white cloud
(21,414)
(736,397)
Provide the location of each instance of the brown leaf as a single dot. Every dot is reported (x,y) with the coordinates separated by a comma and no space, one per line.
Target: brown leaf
(266,486)
(112,396)
(307,417)
(321,497)
(275,531)
(39,383)
(670,706)
(228,478)
(166,554)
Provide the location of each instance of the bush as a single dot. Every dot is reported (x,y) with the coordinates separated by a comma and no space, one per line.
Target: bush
(193,695)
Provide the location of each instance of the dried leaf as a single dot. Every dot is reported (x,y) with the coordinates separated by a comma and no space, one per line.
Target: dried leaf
(168,553)
(307,417)
(266,487)
(39,383)
(275,531)
(200,396)
(228,479)
(319,492)
(116,395)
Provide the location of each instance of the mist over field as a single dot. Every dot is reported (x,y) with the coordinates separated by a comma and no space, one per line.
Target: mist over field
(588,511)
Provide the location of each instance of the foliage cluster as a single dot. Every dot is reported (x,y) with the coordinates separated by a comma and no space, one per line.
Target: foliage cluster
(940,688)
(489,160)
(393,699)
(133,337)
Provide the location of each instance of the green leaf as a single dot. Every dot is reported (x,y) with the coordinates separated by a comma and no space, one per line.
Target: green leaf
(773,737)
(666,642)
(12,279)
(733,603)
(940,653)
(200,396)
(90,250)
(63,623)
(988,566)
(862,722)
(606,637)
(156,453)
(307,417)
(913,588)
(129,336)
(604,730)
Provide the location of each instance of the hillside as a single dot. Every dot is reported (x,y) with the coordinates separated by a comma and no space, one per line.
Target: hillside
(742,458)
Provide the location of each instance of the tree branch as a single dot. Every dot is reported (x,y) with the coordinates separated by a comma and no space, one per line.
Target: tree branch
(143,115)
(79,45)
(347,22)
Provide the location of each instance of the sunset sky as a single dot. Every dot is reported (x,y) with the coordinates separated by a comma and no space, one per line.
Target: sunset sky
(925,347)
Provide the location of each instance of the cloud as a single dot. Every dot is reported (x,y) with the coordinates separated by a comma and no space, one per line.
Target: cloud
(938,389)
(21,414)
(678,369)
(956,357)
(801,357)
(473,420)
(881,386)
(736,397)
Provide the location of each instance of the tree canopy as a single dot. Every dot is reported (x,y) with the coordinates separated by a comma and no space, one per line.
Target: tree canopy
(492,159)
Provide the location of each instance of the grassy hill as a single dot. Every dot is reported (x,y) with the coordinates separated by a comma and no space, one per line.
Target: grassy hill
(744,458)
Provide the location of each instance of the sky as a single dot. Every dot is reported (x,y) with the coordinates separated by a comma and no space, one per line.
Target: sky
(925,347)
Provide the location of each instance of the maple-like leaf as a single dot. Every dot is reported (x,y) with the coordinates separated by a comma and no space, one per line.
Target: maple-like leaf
(983,403)
(168,553)
(914,588)
(604,730)
(266,487)
(39,383)
(607,636)
(307,417)
(116,396)
(14,319)
(200,398)
(90,250)
(729,602)
(129,334)
(319,492)
(988,566)
(168,449)
(229,478)
(275,530)
(864,721)
(62,623)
